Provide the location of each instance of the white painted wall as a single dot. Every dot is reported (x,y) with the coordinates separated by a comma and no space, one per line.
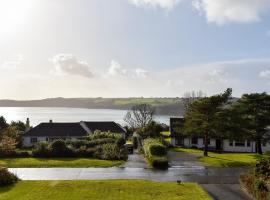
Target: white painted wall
(226,145)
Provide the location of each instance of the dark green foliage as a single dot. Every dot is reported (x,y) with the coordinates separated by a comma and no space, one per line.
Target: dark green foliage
(135,142)
(157,150)
(6,177)
(152,129)
(159,162)
(60,149)
(19,125)
(42,150)
(102,135)
(254,111)
(15,154)
(262,168)
(83,151)
(3,123)
(156,153)
(260,185)
(120,142)
(204,116)
(111,152)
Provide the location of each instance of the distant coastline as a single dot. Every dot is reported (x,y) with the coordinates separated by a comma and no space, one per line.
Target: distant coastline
(163,106)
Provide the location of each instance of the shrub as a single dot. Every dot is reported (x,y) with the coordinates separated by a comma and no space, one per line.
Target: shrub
(156,153)
(260,185)
(101,135)
(157,150)
(60,149)
(8,145)
(6,177)
(108,152)
(159,162)
(42,150)
(77,143)
(135,142)
(97,142)
(83,151)
(262,168)
(120,142)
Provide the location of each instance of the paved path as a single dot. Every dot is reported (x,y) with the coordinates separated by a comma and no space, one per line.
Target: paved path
(135,160)
(223,190)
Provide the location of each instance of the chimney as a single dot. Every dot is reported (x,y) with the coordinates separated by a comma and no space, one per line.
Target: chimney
(51,121)
(27,125)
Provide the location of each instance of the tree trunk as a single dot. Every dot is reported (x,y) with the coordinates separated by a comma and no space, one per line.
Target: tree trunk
(205,153)
(259,146)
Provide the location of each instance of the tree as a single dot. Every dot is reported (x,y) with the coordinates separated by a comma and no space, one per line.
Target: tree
(3,123)
(8,145)
(203,116)
(139,116)
(19,125)
(153,129)
(254,109)
(190,97)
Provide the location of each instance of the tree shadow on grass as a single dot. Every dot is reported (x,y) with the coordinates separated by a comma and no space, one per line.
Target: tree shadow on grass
(6,188)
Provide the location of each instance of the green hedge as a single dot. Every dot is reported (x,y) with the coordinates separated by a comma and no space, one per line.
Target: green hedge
(156,153)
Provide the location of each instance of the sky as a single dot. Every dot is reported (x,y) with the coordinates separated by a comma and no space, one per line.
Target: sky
(133,48)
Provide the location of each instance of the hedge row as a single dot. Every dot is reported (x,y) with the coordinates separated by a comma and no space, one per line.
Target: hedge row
(156,153)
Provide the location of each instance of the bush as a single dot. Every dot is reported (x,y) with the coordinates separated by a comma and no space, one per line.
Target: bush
(156,153)
(262,169)
(77,143)
(42,150)
(85,152)
(157,150)
(6,177)
(101,135)
(97,142)
(60,149)
(159,162)
(111,152)
(120,142)
(135,142)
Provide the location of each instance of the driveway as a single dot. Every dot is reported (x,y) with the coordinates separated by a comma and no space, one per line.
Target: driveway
(220,183)
(216,183)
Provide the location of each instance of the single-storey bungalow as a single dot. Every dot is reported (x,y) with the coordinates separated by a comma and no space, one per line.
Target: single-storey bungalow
(219,144)
(73,131)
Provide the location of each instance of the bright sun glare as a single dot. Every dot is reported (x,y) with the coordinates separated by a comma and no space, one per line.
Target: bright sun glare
(13,14)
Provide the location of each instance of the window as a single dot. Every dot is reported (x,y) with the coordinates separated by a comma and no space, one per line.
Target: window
(248,143)
(33,140)
(194,140)
(231,143)
(239,143)
(208,140)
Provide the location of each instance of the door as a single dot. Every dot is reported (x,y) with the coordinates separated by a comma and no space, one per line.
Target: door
(218,144)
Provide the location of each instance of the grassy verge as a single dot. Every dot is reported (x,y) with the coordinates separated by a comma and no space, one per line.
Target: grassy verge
(56,162)
(99,190)
(224,159)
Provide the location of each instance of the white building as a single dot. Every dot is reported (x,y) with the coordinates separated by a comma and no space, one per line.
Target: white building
(244,145)
(72,131)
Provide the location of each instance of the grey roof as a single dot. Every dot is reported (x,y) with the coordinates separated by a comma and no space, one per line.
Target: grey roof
(57,129)
(79,129)
(105,127)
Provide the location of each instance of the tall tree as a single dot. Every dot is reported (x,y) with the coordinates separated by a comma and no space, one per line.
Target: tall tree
(3,123)
(254,109)
(139,116)
(203,116)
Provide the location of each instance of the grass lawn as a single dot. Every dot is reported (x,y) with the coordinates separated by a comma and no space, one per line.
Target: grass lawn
(57,162)
(100,190)
(224,159)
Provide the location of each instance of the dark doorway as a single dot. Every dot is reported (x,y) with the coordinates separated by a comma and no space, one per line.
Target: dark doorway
(218,144)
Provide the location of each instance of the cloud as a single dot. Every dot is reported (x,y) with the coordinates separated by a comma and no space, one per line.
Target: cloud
(69,64)
(165,4)
(13,63)
(115,69)
(224,11)
(265,74)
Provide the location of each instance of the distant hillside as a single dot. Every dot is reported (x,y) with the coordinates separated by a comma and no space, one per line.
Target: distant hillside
(164,106)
